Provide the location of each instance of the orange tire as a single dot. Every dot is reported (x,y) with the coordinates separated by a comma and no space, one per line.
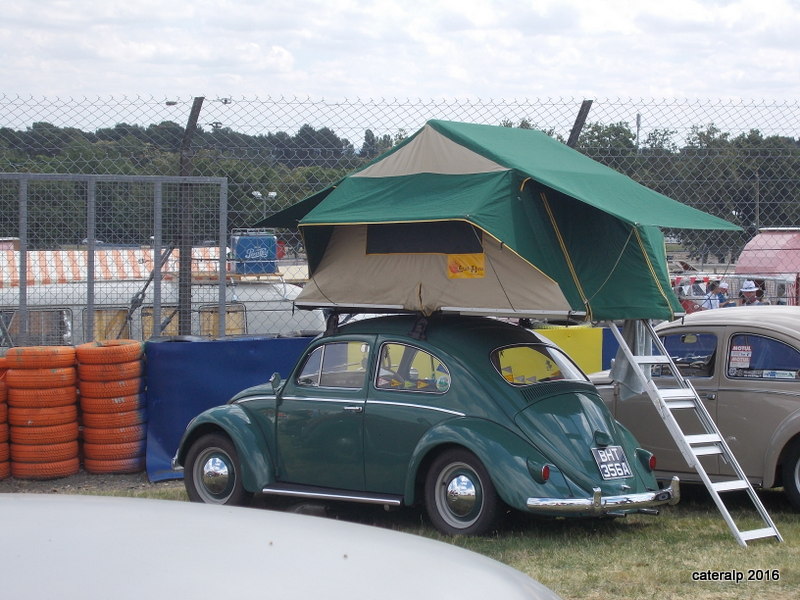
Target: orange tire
(126,465)
(114,435)
(3,433)
(42,417)
(52,470)
(112,405)
(53,434)
(41,378)
(3,391)
(3,412)
(110,371)
(43,398)
(40,357)
(109,351)
(43,453)
(5,470)
(113,420)
(114,451)
(110,389)
(5,452)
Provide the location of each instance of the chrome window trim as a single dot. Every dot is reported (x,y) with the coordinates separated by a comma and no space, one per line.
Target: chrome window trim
(422,406)
(331,400)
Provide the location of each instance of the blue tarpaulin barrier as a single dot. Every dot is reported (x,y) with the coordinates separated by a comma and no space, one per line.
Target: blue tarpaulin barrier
(185,377)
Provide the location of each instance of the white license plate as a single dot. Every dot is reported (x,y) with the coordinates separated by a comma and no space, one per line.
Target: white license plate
(612,462)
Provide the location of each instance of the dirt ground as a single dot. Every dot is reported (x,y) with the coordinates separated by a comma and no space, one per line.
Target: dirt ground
(86,483)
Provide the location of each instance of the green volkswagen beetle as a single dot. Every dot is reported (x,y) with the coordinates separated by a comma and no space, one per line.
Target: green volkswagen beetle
(466,415)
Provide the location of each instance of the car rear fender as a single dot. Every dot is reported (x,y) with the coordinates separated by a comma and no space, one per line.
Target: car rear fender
(254,453)
(784,434)
(506,456)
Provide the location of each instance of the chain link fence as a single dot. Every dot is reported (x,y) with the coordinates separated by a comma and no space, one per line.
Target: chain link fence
(739,160)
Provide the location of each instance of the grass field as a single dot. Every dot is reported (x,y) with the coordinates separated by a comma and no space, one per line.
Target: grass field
(629,558)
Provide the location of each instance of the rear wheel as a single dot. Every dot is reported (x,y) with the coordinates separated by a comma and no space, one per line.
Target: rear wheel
(460,498)
(791,474)
(213,473)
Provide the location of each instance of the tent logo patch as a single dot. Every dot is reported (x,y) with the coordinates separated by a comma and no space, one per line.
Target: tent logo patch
(466,266)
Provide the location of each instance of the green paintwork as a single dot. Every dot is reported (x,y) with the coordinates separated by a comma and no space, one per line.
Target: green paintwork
(253,446)
(381,440)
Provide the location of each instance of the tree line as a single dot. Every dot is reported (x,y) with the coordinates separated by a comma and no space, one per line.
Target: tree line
(750,179)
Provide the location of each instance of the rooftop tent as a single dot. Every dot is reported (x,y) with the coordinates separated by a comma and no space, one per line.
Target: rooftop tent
(495,220)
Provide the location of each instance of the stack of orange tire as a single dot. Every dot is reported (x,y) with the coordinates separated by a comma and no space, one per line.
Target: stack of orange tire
(5,455)
(113,414)
(42,412)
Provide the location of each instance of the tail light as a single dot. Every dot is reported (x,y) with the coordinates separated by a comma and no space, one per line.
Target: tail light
(545,474)
(539,471)
(646,458)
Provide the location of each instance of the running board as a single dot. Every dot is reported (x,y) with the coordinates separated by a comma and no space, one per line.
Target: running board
(711,442)
(318,493)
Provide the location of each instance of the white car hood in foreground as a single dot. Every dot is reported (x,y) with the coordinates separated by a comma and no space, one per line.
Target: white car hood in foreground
(96,548)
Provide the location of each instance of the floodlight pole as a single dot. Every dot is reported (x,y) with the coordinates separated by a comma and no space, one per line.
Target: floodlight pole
(185,224)
(579,122)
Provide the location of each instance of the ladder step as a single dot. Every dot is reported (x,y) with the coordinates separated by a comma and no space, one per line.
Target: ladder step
(703,438)
(652,360)
(730,486)
(677,393)
(681,404)
(706,450)
(755,534)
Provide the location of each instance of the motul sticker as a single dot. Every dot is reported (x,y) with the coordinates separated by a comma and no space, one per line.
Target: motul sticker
(465,266)
(740,357)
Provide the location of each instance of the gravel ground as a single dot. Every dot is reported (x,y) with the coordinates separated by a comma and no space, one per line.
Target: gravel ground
(87,483)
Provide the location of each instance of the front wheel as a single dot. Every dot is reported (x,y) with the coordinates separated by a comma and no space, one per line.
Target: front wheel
(460,498)
(791,475)
(213,473)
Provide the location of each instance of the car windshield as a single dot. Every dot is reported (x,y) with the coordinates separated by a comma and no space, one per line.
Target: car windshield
(534,363)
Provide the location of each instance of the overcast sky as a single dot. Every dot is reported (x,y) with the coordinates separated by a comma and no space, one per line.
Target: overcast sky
(402,48)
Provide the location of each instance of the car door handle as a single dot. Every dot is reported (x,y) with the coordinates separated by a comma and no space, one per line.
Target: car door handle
(709,396)
(355,409)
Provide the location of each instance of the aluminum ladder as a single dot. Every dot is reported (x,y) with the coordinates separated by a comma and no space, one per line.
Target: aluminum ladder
(684,398)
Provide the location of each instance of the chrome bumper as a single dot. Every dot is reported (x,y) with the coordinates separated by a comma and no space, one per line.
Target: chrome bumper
(599,504)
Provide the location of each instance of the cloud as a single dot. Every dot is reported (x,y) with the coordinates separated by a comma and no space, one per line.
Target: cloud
(393,48)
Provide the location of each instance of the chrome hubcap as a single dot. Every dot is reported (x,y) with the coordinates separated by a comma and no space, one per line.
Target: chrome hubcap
(461,495)
(215,475)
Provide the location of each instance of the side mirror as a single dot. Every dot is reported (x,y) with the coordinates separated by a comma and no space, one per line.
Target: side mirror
(275,380)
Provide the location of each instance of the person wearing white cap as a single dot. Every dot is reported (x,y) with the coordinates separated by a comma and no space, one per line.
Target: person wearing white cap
(723,299)
(748,294)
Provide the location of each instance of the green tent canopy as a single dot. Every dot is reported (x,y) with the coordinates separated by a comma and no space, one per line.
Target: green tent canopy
(492,220)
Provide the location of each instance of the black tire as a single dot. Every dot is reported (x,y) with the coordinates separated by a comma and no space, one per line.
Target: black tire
(213,472)
(460,498)
(791,474)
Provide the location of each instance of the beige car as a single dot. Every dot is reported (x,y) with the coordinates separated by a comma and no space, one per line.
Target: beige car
(745,364)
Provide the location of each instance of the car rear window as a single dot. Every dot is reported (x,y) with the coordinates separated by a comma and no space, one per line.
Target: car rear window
(534,363)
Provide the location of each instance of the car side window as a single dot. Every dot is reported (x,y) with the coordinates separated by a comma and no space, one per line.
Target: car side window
(759,357)
(406,368)
(692,353)
(338,364)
